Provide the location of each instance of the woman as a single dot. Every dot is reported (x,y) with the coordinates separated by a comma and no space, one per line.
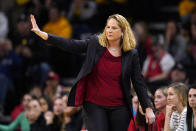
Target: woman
(103,84)
(176,108)
(19,116)
(21,121)
(140,123)
(191,109)
(160,102)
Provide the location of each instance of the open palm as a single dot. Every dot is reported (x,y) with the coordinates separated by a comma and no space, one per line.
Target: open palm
(35,28)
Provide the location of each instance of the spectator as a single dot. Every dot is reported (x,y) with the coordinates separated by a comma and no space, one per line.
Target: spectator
(53,88)
(10,69)
(178,74)
(21,120)
(175,43)
(44,104)
(176,108)
(74,117)
(135,103)
(36,92)
(3,25)
(140,122)
(160,102)
(190,116)
(36,117)
(35,56)
(58,24)
(59,117)
(158,65)
(20,108)
(144,40)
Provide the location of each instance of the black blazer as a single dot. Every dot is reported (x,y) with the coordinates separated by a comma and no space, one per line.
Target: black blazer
(130,67)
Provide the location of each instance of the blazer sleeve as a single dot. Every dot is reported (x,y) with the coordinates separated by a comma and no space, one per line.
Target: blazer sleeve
(139,83)
(69,45)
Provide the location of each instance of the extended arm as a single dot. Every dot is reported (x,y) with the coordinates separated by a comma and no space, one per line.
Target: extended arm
(69,45)
(20,121)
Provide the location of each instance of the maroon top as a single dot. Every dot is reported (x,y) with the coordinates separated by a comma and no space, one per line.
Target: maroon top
(103,85)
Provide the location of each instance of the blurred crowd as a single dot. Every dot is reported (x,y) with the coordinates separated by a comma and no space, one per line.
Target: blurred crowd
(32,92)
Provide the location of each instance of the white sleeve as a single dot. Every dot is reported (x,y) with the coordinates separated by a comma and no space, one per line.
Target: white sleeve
(146,64)
(167,63)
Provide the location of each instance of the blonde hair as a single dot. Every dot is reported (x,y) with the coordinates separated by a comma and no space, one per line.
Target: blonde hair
(128,39)
(181,90)
(163,90)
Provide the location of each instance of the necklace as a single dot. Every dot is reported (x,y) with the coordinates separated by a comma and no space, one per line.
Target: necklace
(113,49)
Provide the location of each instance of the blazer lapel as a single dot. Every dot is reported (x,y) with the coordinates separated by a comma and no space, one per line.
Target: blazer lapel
(99,52)
(124,64)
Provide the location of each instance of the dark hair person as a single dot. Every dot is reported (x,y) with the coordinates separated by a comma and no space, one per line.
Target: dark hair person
(191,109)
(103,84)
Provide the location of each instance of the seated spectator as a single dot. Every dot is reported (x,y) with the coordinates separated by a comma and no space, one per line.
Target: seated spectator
(35,57)
(74,117)
(53,88)
(58,123)
(175,43)
(36,117)
(44,104)
(58,24)
(191,109)
(178,74)
(140,121)
(144,40)
(10,69)
(21,121)
(3,25)
(175,117)
(36,92)
(160,102)
(185,9)
(135,103)
(158,65)
(20,108)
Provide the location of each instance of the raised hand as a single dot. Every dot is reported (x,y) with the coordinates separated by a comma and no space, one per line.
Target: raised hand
(36,29)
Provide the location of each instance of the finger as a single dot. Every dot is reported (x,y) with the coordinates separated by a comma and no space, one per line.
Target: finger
(33,21)
(147,119)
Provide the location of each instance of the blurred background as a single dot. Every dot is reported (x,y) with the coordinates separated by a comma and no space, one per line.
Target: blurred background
(165,31)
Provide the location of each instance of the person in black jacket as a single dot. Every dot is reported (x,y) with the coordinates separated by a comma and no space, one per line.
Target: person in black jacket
(103,83)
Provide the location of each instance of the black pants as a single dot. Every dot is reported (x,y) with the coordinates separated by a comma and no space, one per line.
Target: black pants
(101,118)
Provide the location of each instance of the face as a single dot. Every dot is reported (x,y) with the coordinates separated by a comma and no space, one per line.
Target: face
(160,100)
(52,82)
(172,97)
(171,28)
(192,98)
(113,31)
(59,106)
(37,92)
(135,102)
(53,14)
(34,110)
(44,104)
(26,99)
(178,76)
